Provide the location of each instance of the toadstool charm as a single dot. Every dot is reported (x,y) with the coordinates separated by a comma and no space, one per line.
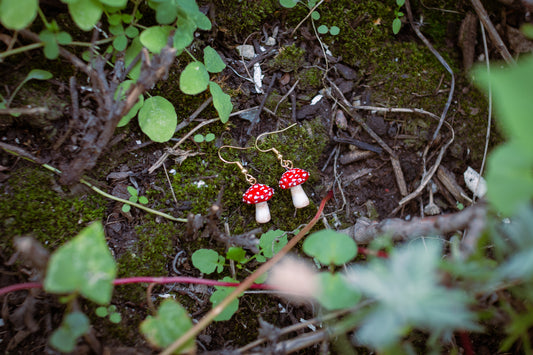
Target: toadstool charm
(292,179)
(258,195)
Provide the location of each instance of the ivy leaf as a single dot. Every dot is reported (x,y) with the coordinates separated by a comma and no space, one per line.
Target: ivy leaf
(330,247)
(194,79)
(272,242)
(158,119)
(18,14)
(170,323)
(408,295)
(221,101)
(83,265)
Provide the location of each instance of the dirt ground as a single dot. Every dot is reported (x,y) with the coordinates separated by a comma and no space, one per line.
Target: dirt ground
(306,81)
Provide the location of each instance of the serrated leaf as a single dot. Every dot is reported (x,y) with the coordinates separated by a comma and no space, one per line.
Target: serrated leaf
(219,295)
(158,119)
(408,295)
(155,38)
(194,79)
(170,323)
(120,43)
(85,13)
(272,242)
(212,60)
(205,260)
(131,31)
(18,14)
(83,265)
(335,293)
(330,247)
(221,101)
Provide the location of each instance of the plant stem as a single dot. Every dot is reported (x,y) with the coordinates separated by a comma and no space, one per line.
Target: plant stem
(22,49)
(247,283)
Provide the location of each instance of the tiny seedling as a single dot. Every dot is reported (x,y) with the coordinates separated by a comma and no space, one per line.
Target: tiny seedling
(315,15)
(199,138)
(134,197)
(397,22)
(110,311)
(37,74)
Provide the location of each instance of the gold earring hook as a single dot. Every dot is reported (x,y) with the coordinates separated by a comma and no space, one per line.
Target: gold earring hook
(287,164)
(249,178)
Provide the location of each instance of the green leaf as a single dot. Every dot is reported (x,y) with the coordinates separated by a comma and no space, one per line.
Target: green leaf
(221,101)
(335,293)
(219,295)
(115,318)
(400,3)
(512,101)
(194,79)
(51,49)
(116,30)
(132,191)
(115,3)
(85,13)
(334,30)
(18,14)
(74,325)
(114,20)
(272,242)
(198,138)
(184,34)
(131,53)
(120,43)
(315,15)
(408,295)
(155,38)
(396,25)
(212,60)
(509,178)
(123,88)
(236,253)
(330,247)
(126,208)
(322,29)
(170,323)
(209,137)
(190,9)
(143,200)
(131,31)
(289,4)
(101,311)
(158,119)
(39,74)
(63,38)
(83,265)
(205,260)
(166,12)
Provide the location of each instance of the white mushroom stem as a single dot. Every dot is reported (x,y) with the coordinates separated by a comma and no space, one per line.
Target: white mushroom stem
(262,212)
(299,198)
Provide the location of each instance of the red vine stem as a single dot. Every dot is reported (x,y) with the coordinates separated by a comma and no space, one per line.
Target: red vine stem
(247,283)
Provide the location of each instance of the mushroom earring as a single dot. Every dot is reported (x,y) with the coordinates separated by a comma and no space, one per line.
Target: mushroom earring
(293,178)
(257,194)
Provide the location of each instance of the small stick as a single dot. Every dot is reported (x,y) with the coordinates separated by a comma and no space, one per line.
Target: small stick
(399,175)
(24,111)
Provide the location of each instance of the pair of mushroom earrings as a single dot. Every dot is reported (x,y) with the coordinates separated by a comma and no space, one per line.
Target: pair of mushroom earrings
(259,194)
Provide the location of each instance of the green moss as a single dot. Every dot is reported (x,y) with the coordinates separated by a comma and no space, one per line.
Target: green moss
(289,58)
(33,203)
(310,78)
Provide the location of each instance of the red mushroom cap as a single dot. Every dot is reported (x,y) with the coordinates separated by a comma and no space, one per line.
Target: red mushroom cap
(293,177)
(257,193)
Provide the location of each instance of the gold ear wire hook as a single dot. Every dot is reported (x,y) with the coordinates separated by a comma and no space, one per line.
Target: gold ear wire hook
(249,178)
(287,164)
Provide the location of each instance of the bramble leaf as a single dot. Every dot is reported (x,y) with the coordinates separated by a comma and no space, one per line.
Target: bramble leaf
(83,265)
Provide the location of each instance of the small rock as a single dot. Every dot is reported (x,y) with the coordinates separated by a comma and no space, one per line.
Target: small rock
(307,111)
(270,41)
(345,86)
(246,50)
(346,72)
(377,124)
